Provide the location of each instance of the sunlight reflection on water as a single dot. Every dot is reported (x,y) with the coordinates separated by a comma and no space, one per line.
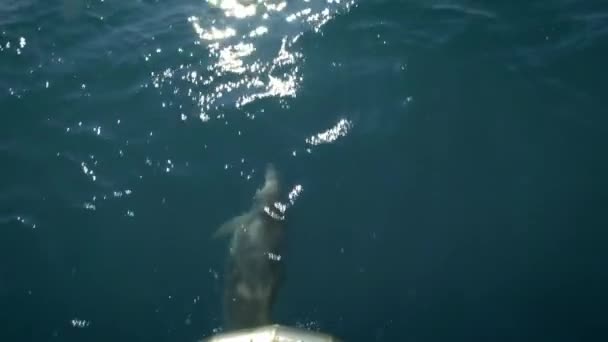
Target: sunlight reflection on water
(250,53)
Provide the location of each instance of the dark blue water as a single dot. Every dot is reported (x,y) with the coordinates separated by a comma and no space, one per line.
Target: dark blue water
(451,156)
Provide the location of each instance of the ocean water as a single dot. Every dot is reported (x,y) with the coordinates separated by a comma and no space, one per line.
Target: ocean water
(446,161)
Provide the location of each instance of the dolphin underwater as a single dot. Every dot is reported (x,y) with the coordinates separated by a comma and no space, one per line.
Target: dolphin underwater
(254,267)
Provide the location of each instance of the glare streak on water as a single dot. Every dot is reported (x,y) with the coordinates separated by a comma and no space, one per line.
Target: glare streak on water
(80,323)
(341,129)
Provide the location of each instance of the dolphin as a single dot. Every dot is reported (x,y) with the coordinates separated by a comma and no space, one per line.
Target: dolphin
(254,267)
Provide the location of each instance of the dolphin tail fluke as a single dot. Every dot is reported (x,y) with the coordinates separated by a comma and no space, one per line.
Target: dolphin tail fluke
(231,225)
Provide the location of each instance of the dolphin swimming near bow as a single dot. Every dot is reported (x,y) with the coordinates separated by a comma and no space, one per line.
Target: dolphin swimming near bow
(254,267)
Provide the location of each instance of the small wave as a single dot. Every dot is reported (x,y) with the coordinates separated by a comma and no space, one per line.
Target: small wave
(466,10)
